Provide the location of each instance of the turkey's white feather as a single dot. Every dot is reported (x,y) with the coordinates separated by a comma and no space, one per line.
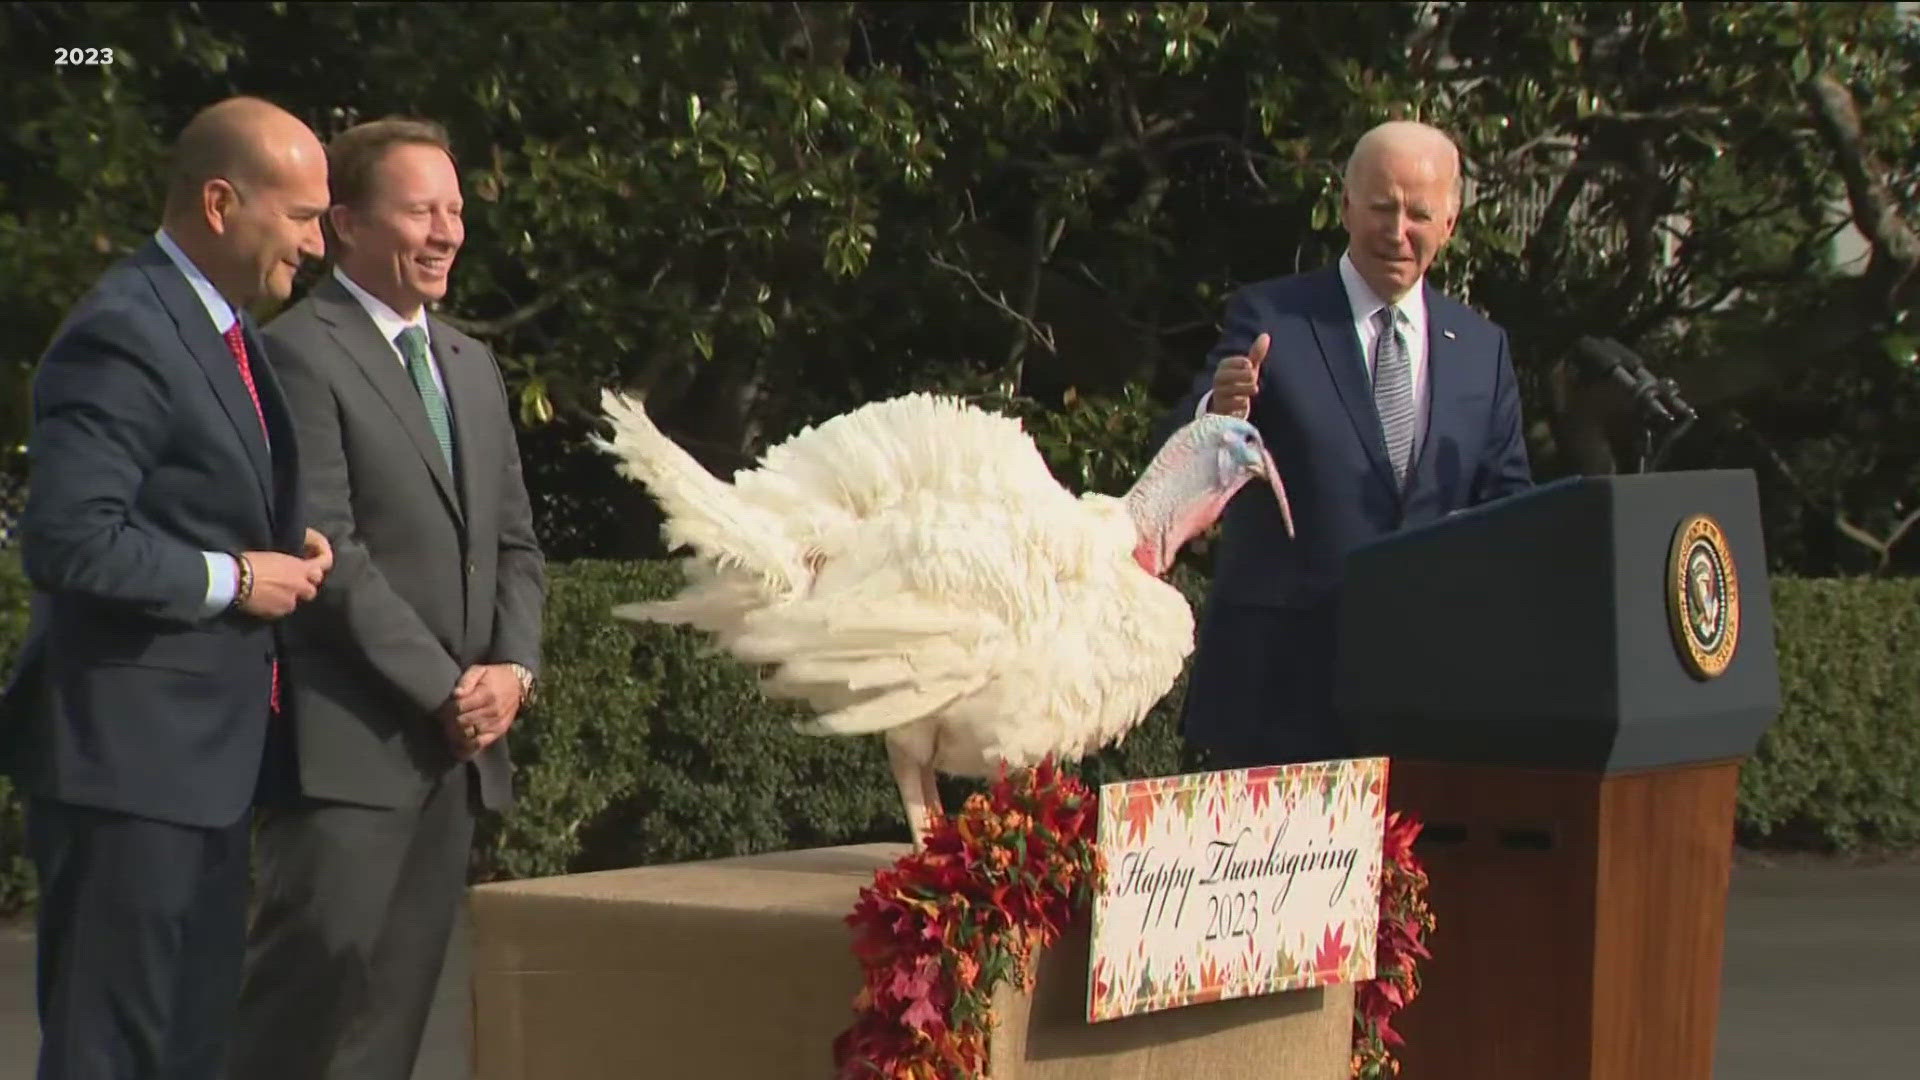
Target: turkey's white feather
(913,567)
(702,513)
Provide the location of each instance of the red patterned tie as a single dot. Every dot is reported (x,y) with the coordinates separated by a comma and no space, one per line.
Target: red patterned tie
(237,342)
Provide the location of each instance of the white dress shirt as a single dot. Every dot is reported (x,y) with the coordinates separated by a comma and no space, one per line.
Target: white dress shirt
(223,574)
(1365,303)
(216,305)
(389,322)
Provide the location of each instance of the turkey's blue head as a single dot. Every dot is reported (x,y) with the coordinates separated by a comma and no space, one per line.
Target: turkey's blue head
(1189,482)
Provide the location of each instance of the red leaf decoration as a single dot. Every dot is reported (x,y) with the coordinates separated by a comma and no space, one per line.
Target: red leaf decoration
(937,932)
(1333,951)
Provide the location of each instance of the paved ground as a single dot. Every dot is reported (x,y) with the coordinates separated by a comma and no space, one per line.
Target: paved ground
(444,1055)
(1822,980)
(1822,973)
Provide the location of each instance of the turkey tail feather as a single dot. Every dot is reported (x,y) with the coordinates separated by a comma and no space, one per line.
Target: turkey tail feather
(890,710)
(702,511)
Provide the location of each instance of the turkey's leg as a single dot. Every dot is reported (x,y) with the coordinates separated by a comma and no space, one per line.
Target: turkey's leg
(908,774)
(930,783)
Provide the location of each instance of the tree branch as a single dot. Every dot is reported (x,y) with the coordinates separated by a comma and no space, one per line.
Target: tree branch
(1665,116)
(1247,155)
(1807,252)
(1110,149)
(1876,213)
(1641,222)
(1186,327)
(1042,334)
(1091,278)
(1548,140)
(1881,547)
(1900,531)
(491,328)
(1544,246)
(1860,536)
(1429,45)
(1040,246)
(1739,421)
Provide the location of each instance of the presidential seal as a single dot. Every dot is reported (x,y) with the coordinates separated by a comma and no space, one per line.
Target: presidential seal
(1703,597)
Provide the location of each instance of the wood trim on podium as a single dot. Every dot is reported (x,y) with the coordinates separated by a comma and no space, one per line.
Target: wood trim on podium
(1580,921)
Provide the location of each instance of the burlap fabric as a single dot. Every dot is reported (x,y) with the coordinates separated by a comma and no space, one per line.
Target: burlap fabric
(740,969)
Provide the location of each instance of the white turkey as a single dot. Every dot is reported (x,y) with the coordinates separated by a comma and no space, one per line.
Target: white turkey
(912,568)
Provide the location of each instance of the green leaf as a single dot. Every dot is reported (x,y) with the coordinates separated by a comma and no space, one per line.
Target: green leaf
(536,409)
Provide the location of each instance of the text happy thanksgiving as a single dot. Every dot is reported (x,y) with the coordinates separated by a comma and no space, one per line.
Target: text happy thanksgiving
(1235,862)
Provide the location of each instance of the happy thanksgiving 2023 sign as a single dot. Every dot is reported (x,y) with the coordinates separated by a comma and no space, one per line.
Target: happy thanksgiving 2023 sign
(1234,883)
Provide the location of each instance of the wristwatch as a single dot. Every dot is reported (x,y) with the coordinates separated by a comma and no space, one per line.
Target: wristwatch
(526,683)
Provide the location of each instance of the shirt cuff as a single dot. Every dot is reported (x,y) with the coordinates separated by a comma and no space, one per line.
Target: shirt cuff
(223,578)
(1207,398)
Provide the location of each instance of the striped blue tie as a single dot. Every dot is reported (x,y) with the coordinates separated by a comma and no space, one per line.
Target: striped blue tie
(1393,390)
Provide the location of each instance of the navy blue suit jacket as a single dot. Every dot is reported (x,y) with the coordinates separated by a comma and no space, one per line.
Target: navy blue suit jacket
(1315,410)
(145,452)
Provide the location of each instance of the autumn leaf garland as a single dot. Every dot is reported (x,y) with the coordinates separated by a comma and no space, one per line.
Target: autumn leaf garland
(941,929)
(1405,922)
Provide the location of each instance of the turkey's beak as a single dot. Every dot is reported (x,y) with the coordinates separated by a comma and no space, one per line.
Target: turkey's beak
(1271,473)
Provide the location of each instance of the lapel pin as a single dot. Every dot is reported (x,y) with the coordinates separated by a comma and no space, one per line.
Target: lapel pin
(1448,334)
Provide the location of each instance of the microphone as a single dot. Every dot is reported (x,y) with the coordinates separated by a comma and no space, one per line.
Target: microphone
(1609,359)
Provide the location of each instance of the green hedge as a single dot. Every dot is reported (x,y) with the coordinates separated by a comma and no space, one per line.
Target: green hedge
(16,873)
(1842,764)
(645,748)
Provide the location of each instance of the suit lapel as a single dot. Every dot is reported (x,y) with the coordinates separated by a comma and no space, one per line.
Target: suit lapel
(285,448)
(1340,348)
(461,372)
(353,330)
(216,361)
(1442,366)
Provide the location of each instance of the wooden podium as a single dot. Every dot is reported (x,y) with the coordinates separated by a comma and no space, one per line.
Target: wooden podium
(1567,682)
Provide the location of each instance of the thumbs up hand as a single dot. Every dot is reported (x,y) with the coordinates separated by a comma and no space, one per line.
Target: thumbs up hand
(1237,380)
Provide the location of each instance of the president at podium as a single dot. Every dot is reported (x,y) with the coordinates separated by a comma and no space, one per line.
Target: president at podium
(1385,404)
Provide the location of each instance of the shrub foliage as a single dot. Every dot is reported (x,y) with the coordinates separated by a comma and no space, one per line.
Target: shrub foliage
(646,748)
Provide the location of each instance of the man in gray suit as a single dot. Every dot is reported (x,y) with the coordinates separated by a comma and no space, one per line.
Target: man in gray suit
(410,665)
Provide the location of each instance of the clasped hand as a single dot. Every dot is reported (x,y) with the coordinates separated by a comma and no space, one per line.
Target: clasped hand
(482,707)
(283,582)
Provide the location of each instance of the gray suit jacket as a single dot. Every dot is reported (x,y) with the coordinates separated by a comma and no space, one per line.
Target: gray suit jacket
(432,573)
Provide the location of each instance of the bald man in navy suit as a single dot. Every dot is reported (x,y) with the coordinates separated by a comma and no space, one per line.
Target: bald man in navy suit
(164,537)
(1385,404)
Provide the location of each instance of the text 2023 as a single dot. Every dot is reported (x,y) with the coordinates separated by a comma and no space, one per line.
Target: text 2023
(1233,915)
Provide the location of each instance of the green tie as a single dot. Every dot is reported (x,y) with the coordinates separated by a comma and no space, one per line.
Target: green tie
(413,346)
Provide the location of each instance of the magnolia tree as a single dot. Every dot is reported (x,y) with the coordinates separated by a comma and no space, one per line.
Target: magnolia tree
(762,214)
